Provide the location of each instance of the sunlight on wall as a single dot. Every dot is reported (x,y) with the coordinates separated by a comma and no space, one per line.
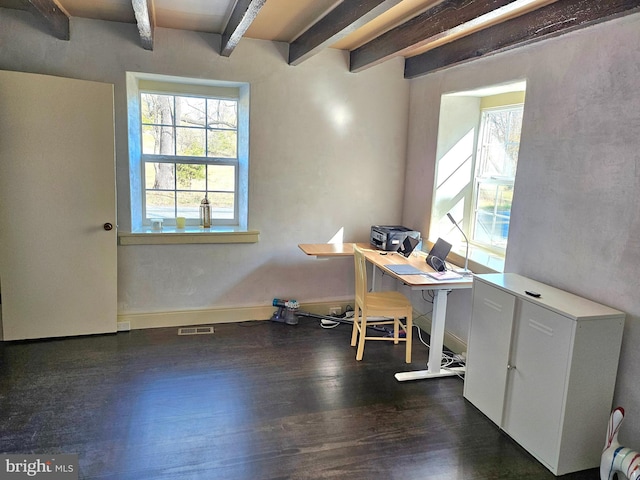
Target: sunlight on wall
(453,176)
(334,109)
(341,117)
(338,237)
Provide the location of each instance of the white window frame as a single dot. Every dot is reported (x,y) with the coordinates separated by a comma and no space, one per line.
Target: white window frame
(178,86)
(185,159)
(479,179)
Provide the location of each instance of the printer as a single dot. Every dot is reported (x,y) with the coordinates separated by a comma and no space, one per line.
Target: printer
(390,237)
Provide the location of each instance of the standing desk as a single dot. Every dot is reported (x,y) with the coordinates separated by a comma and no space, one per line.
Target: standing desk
(380,259)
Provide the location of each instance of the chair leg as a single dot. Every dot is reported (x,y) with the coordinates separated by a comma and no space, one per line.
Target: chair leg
(408,336)
(363,333)
(396,329)
(356,326)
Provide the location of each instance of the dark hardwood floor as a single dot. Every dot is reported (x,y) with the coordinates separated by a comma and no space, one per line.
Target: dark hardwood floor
(255,400)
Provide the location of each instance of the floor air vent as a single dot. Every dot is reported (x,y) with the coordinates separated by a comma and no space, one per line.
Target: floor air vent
(195,331)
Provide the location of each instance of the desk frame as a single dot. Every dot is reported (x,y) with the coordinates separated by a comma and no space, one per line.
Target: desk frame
(379,260)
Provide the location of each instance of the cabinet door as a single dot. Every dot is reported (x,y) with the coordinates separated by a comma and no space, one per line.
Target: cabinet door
(537,382)
(488,349)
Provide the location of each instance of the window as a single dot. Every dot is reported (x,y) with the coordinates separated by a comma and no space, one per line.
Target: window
(497,158)
(476,159)
(188,139)
(189,151)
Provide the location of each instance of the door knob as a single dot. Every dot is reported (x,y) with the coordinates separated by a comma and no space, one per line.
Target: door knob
(107,226)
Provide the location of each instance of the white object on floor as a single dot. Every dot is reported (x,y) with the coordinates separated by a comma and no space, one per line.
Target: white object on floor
(616,459)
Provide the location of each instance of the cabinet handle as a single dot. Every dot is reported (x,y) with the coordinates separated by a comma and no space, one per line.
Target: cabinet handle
(511,367)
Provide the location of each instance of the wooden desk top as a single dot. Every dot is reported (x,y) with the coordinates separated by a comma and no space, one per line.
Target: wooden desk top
(330,249)
(380,259)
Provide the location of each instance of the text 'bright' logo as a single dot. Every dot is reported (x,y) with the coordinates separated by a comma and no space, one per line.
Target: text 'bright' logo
(30,468)
(62,467)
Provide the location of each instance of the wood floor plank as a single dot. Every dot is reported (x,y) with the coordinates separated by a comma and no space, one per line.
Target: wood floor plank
(255,400)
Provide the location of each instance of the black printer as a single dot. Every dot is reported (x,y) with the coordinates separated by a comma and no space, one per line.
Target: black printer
(390,237)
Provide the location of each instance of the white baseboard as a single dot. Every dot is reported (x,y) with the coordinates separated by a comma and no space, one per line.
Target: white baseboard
(184,318)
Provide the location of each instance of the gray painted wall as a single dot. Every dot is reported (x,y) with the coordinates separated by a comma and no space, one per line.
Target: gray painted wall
(575,220)
(328,149)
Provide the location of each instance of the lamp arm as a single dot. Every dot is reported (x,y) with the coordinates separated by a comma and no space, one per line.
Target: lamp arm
(466,256)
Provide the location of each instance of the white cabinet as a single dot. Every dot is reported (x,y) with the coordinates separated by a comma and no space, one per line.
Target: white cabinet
(543,369)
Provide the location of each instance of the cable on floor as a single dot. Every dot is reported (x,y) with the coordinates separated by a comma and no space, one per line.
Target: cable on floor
(329,322)
(449,359)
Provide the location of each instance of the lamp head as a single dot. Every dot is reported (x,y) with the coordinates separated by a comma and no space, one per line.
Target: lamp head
(451,218)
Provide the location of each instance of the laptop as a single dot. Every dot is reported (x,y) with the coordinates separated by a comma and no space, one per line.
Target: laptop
(438,254)
(408,245)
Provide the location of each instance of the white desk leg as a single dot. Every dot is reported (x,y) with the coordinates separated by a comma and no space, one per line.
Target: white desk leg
(435,344)
(373,277)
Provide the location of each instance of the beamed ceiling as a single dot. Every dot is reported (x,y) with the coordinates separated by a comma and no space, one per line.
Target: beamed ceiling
(429,34)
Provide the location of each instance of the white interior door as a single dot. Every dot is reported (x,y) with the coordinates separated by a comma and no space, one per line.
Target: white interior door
(58,268)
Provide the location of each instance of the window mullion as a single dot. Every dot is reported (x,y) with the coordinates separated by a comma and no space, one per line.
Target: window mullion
(206,128)
(188,159)
(175,133)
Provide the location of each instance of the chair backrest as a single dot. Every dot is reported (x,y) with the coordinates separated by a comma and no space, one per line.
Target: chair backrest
(361,274)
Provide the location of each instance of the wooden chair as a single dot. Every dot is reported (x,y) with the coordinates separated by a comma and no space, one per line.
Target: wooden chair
(378,304)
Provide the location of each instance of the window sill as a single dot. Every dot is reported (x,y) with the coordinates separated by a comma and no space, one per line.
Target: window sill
(480,260)
(189,235)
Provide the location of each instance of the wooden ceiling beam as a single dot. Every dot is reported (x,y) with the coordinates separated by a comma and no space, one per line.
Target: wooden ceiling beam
(54,16)
(144,12)
(241,18)
(552,20)
(420,30)
(345,18)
